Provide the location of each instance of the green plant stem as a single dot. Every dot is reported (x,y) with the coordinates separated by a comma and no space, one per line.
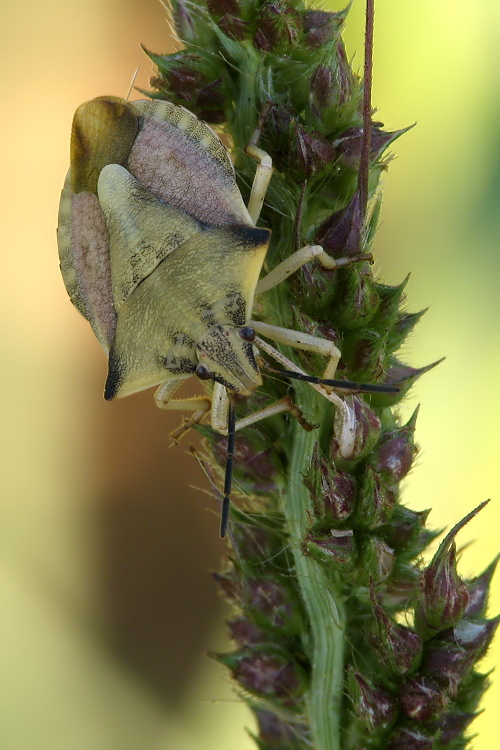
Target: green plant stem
(325,612)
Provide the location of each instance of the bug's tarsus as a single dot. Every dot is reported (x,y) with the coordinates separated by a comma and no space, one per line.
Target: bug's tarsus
(345,385)
(226,502)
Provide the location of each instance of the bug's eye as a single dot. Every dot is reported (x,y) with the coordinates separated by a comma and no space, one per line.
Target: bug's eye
(247,333)
(202,372)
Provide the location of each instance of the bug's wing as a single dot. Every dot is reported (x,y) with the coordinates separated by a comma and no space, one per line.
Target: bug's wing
(182,161)
(142,231)
(103,132)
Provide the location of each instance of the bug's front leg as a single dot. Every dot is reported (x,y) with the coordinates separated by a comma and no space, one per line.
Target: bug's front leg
(298,259)
(200,405)
(220,410)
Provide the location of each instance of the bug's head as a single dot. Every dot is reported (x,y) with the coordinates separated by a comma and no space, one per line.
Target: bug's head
(225,354)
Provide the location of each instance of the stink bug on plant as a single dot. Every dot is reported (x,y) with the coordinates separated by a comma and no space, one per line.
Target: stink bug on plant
(159,252)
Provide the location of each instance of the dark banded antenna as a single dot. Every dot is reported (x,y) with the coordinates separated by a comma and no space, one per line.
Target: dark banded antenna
(345,385)
(229,469)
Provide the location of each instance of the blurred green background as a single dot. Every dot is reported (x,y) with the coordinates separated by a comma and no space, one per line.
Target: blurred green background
(107,605)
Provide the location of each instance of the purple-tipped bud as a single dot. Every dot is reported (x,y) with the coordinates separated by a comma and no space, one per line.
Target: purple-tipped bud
(394,453)
(406,738)
(338,490)
(422,699)
(322,85)
(267,675)
(252,466)
(301,152)
(443,594)
(244,632)
(356,429)
(377,560)
(405,527)
(276,732)
(453,724)
(219,8)
(321,27)
(479,589)
(375,502)
(340,234)
(473,635)
(332,85)
(229,583)
(357,299)
(183,21)
(350,143)
(267,598)
(185,80)
(402,328)
(375,707)
(447,663)
(400,648)
(279,26)
(405,376)
(337,549)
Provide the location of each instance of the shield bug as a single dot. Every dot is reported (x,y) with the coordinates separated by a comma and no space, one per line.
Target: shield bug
(159,252)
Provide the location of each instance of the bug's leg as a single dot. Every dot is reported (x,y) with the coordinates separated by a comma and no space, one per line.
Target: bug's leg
(261,180)
(220,408)
(298,259)
(200,405)
(304,341)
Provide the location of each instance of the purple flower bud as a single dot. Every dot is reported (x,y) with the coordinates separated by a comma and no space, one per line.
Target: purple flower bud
(340,234)
(219,8)
(473,635)
(244,632)
(336,492)
(183,21)
(405,376)
(400,648)
(377,560)
(267,675)
(447,663)
(300,151)
(478,589)
(321,27)
(394,453)
(375,707)
(405,527)
(375,502)
(406,738)
(229,583)
(267,598)
(356,429)
(422,699)
(252,466)
(322,83)
(337,549)
(278,27)
(443,594)
(349,144)
(357,299)
(453,724)
(276,732)
(233,27)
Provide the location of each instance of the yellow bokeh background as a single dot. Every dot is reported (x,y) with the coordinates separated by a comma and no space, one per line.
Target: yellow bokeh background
(106,599)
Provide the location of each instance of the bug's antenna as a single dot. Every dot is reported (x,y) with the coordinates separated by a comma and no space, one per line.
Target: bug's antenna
(229,468)
(346,385)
